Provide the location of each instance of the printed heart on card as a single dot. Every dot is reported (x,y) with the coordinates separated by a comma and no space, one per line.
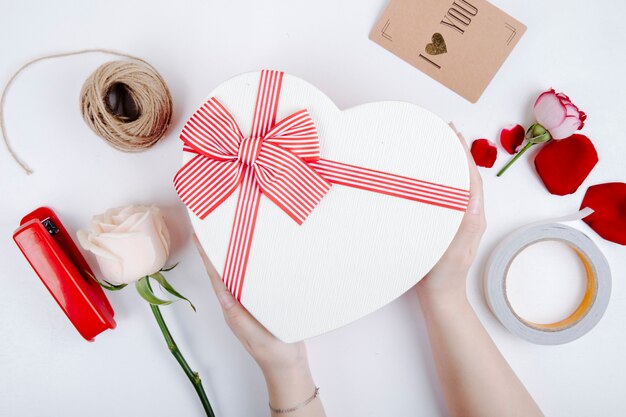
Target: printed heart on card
(438,45)
(318,216)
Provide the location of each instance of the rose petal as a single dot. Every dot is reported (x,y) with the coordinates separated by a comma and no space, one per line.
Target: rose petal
(120,214)
(572,110)
(137,252)
(566,129)
(103,227)
(110,264)
(484,153)
(563,97)
(83,239)
(107,216)
(608,202)
(88,241)
(128,223)
(512,138)
(161,228)
(549,110)
(563,165)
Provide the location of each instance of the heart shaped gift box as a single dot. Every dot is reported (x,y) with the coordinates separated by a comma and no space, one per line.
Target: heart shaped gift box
(307,244)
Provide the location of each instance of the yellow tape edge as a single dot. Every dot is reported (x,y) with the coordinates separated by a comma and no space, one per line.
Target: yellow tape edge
(582,309)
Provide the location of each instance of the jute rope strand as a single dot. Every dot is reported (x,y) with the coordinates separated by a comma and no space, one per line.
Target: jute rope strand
(144,85)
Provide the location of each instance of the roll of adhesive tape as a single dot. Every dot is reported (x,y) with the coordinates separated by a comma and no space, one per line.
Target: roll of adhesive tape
(594,302)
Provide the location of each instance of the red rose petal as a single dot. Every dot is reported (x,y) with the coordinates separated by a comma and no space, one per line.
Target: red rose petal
(484,153)
(608,202)
(564,164)
(511,138)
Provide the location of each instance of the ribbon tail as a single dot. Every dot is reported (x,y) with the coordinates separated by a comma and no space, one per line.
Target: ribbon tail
(392,184)
(241,234)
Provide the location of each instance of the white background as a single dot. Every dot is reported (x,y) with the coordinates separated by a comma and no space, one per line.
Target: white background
(378,366)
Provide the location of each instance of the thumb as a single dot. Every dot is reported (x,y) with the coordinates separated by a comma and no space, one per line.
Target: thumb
(473,224)
(237,317)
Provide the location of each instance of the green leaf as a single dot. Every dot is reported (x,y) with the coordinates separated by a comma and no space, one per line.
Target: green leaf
(112,287)
(108,285)
(168,287)
(144,290)
(170,268)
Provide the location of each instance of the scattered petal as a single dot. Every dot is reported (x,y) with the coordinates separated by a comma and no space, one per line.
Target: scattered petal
(608,202)
(512,138)
(563,165)
(484,153)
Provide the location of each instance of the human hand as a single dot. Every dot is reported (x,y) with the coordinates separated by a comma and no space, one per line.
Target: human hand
(447,278)
(270,353)
(284,365)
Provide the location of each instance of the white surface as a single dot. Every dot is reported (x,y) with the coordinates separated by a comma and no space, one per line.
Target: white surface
(546,292)
(356,251)
(378,366)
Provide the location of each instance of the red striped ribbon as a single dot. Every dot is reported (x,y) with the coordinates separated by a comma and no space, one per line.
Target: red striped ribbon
(280,160)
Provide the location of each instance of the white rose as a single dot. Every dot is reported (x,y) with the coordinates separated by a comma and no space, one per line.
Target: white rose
(128,242)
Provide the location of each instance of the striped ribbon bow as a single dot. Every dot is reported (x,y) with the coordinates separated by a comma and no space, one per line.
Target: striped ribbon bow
(280,160)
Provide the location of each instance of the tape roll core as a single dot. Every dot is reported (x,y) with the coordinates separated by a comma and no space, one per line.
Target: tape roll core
(584,317)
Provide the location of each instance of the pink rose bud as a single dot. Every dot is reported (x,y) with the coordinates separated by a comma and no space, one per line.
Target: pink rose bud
(557,118)
(558,115)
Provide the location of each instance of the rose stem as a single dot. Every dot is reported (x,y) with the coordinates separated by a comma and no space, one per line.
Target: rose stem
(524,149)
(194,377)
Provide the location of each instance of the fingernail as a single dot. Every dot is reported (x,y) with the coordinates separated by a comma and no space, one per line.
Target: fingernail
(226,299)
(473,207)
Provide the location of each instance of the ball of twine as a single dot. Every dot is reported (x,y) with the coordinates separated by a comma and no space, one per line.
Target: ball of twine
(127,104)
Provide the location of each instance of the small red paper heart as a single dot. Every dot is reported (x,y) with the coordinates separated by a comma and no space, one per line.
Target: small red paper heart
(608,202)
(564,164)
(511,138)
(484,153)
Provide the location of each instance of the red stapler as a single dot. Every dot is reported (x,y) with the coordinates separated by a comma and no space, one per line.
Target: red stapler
(62,268)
